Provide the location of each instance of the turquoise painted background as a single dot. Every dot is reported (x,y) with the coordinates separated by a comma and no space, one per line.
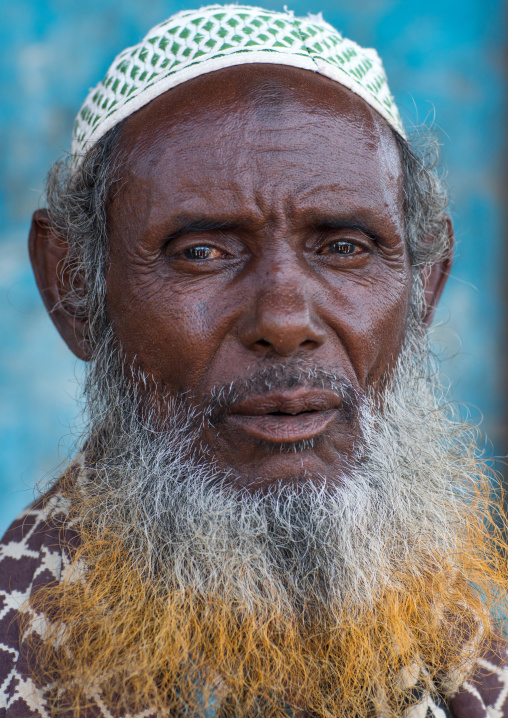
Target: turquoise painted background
(445,62)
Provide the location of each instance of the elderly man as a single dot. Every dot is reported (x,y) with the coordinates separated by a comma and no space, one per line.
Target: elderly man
(272,512)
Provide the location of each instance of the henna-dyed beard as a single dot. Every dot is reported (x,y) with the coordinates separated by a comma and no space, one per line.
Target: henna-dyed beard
(301,543)
(305,595)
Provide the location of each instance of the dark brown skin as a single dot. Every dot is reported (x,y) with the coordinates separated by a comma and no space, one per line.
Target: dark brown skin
(291,187)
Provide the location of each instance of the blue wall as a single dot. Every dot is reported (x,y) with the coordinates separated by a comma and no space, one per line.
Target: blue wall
(445,65)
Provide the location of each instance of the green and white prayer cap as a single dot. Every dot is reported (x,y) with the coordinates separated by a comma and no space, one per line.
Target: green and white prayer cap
(195,42)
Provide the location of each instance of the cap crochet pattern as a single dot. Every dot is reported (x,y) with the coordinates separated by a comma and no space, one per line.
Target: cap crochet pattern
(195,42)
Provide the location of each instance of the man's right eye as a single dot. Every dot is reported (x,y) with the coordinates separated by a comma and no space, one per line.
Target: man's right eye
(203,252)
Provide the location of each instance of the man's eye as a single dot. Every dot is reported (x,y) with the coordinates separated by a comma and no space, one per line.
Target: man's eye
(341,247)
(199,253)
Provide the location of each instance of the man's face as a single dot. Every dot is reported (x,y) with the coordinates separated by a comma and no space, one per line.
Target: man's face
(258,231)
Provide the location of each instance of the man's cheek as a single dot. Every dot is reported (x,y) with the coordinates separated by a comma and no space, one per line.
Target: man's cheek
(180,336)
(371,329)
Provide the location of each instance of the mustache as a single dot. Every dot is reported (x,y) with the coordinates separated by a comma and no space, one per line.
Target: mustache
(221,399)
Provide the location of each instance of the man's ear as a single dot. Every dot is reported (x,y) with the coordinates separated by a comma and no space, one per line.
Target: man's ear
(48,252)
(434,278)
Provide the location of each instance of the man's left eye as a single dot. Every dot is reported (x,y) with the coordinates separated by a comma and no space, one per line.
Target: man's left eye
(341,247)
(202,252)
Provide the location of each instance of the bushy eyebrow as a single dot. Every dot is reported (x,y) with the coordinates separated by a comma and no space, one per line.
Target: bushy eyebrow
(349,224)
(210,225)
(199,225)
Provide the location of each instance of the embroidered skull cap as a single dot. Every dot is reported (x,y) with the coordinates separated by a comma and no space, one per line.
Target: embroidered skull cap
(195,42)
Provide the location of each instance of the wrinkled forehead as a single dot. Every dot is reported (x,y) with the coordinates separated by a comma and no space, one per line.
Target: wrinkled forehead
(259,133)
(253,105)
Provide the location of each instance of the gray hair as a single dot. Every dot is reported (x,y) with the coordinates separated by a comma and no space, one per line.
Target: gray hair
(78,201)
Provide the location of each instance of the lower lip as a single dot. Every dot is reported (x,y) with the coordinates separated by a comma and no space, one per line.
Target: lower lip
(285,428)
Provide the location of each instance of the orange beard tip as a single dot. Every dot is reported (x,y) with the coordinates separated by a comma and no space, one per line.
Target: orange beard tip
(179,650)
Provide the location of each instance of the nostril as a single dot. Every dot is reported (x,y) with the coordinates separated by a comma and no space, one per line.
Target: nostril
(309,344)
(265,344)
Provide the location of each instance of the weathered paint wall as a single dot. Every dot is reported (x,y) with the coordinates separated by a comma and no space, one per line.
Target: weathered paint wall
(445,63)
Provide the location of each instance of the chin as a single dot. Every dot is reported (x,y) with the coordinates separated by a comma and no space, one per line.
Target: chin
(289,464)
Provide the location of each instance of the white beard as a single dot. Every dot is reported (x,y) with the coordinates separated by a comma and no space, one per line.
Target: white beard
(296,545)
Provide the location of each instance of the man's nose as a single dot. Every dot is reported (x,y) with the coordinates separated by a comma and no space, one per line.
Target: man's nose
(282,318)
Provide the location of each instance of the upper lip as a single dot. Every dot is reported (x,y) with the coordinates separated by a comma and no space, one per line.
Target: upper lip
(294,402)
